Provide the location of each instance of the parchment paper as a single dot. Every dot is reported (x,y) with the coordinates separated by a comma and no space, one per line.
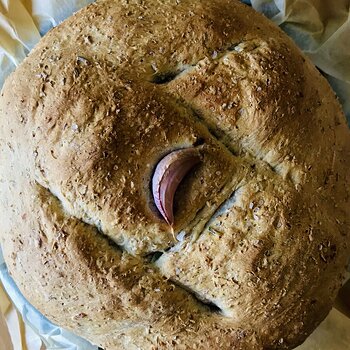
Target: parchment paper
(23,22)
(321,28)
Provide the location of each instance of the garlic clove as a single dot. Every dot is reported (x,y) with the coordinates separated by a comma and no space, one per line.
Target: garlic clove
(168,174)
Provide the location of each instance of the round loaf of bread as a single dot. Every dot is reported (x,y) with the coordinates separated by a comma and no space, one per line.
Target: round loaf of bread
(259,243)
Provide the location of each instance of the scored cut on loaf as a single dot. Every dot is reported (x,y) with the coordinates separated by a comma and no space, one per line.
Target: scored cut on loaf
(261,226)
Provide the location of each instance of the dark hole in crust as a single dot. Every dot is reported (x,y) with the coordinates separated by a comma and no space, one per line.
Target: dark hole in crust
(204,302)
(212,307)
(217,133)
(113,244)
(153,257)
(231,47)
(200,141)
(164,77)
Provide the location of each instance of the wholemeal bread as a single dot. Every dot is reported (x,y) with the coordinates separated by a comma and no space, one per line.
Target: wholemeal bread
(259,243)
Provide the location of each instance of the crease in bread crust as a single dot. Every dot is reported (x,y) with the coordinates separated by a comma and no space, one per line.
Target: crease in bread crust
(168,76)
(263,223)
(98,230)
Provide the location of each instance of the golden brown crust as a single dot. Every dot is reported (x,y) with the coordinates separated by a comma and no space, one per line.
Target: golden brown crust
(263,221)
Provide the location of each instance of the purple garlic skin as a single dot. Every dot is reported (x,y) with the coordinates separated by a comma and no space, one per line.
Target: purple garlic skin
(168,174)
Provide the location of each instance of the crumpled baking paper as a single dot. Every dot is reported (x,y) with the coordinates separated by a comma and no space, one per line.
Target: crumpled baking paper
(14,333)
(321,28)
(5,338)
(23,22)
